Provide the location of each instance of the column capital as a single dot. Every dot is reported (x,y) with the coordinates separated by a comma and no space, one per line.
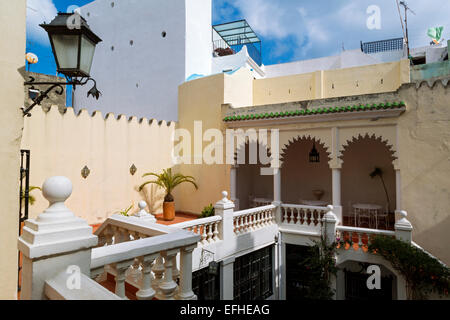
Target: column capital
(335,164)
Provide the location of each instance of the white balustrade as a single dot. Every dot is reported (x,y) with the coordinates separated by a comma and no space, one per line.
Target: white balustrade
(302,215)
(253,219)
(153,257)
(359,238)
(207,228)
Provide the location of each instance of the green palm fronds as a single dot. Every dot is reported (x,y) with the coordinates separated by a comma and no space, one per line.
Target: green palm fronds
(168,181)
(31,198)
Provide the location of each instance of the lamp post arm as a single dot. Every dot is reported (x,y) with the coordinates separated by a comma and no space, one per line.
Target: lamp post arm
(42,96)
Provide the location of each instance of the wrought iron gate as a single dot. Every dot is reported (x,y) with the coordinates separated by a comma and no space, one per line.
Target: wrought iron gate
(24,200)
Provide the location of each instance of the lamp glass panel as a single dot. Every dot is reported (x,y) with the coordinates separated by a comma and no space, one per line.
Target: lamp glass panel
(87,54)
(66,50)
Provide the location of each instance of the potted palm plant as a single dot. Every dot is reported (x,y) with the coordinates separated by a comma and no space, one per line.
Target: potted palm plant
(168,182)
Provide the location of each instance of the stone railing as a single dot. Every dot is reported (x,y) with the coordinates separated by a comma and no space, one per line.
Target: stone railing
(253,219)
(302,217)
(358,238)
(58,247)
(207,228)
(155,255)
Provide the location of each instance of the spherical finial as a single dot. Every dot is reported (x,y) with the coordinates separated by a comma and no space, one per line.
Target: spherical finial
(57,189)
(224,194)
(403,214)
(142,205)
(330,208)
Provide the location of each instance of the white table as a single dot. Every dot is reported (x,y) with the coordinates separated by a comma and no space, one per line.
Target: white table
(371,209)
(260,202)
(314,203)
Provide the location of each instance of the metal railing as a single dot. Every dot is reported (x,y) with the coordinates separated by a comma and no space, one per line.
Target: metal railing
(237,44)
(382,45)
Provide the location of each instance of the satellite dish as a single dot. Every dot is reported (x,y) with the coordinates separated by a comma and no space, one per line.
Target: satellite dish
(31,58)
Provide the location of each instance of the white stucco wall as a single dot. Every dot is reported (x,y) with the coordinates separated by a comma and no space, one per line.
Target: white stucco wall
(198,37)
(141,79)
(346,59)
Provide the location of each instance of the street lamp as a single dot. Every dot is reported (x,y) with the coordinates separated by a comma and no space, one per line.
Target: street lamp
(73,45)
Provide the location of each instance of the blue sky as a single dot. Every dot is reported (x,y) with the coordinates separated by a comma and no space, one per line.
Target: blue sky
(290,29)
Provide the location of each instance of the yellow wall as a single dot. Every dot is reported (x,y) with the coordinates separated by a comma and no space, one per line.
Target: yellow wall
(64,144)
(377,78)
(424,159)
(12,59)
(201,100)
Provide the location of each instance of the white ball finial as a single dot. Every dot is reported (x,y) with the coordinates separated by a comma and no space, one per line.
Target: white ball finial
(142,205)
(403,214)
(57,189)
(224,194)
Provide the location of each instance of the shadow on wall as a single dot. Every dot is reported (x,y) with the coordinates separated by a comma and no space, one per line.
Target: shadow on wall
(439,244)
(154,196)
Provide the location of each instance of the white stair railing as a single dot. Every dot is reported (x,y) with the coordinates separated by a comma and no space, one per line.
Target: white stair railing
(207,228)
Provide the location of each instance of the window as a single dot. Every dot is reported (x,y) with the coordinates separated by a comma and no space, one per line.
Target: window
(253,275)
(205,285)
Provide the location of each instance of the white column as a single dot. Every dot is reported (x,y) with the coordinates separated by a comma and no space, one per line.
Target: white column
(336,174)
(398,190)
(53,242)
(277,185)
(185,292)
(233,186)
(226,279)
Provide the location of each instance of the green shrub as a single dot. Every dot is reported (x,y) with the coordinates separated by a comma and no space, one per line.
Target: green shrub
(423,273)
(208,211)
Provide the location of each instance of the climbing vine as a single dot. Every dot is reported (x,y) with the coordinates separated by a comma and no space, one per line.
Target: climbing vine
(423,273)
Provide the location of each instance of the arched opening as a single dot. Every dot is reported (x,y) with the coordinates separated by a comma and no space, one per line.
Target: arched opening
(304,179)
(253,188)
(368,184)
(352,278)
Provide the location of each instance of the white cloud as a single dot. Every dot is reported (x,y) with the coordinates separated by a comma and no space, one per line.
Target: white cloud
(39,11)
(321,26)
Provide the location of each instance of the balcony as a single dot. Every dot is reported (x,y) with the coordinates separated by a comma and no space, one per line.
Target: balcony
(230,38)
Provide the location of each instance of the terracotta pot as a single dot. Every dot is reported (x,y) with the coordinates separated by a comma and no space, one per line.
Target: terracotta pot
(169,211)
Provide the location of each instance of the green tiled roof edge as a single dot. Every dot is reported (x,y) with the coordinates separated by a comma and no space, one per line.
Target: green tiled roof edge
(295,113)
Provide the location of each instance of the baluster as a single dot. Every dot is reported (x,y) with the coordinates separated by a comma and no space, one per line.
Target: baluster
(109,234)
(185,290)
(120,269)
(265,218)
(216,232)
(134,274)
(147,292)
(246,223)
(168,286)
(350,235)
(251,225)
(204,235)
(360,240)
(210,233)
(175,271)
(158,270)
